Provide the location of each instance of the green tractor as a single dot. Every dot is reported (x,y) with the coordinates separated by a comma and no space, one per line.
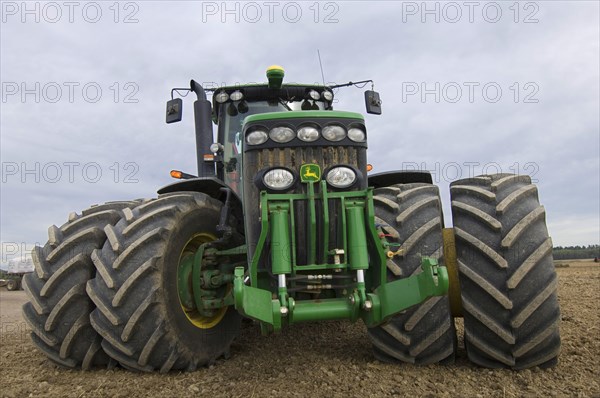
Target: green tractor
(283,225)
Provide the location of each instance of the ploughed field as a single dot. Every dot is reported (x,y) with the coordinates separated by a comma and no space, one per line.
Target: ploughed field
(322,359)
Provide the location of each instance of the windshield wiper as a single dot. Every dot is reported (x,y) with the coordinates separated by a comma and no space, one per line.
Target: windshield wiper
(284,104)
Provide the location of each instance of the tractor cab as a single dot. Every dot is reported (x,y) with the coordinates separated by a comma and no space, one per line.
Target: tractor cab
(232,105)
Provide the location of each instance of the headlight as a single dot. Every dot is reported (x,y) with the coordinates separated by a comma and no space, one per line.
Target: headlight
(256,137)
(314,94)
(282,134)
(334,133)
(357,135)
(236,95)
(308,134)
(221,97)
(327,95)
(278,179)
(341,177)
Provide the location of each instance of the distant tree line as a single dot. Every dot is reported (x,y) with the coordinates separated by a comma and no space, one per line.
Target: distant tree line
(576,252)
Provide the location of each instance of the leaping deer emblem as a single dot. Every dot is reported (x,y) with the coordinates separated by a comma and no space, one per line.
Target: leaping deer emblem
(309,173)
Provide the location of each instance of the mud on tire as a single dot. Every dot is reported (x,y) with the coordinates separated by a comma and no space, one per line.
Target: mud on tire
(410,215)
(138,312)
(506,272)
(58,308)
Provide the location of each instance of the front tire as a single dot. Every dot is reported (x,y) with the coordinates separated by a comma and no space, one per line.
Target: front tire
(139,313)
(506,272)
(410,215)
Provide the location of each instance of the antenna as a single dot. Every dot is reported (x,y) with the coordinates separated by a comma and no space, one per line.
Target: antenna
(321,65)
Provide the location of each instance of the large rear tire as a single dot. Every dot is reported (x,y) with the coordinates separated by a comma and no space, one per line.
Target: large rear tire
(410,215)
(58,308)
(139,313)
(506,272)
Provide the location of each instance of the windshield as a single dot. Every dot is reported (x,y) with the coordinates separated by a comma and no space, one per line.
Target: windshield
(234,115)
(231,120)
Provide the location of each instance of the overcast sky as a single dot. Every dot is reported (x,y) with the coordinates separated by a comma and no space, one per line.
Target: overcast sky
(467,88)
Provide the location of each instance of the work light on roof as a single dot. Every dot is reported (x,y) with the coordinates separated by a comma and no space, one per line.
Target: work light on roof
(221,97)
(236,95)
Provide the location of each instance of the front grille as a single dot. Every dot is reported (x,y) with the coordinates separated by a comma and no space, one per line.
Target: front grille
(301,212)
(294,158)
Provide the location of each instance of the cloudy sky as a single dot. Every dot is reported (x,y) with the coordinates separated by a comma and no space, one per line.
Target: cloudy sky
(467,88)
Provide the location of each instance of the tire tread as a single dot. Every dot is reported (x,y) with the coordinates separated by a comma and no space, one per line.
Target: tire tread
(508,282)
(423,334)
(58,308)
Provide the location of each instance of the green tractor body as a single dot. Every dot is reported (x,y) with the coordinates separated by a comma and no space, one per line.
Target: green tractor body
(282,224)
(299,170)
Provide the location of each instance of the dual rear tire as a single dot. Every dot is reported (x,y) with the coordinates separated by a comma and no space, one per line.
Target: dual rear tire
(138,310)
(58,308)
(508,285)
(105,288)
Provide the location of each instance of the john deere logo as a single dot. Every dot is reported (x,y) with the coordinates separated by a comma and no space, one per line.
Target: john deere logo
(310,172)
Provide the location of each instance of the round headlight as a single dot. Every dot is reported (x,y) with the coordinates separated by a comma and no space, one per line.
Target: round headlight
(357,135)
(314,94)
(278,179)
(256,137)
(334,133)
(327,95)
(341,177)
(236,95)
(282,134)
(221,97)
(308,134)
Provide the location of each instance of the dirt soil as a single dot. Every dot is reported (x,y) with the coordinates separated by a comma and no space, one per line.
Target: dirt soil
(321,360)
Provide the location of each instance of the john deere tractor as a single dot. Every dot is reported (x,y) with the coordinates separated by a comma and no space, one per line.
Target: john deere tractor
(282,225)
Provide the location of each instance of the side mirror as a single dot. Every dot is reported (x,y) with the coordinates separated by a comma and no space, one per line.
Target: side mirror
(372,102)
(174,110)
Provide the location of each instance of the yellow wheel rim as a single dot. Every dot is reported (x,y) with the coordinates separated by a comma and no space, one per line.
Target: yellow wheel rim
(193,315)
(452,266)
